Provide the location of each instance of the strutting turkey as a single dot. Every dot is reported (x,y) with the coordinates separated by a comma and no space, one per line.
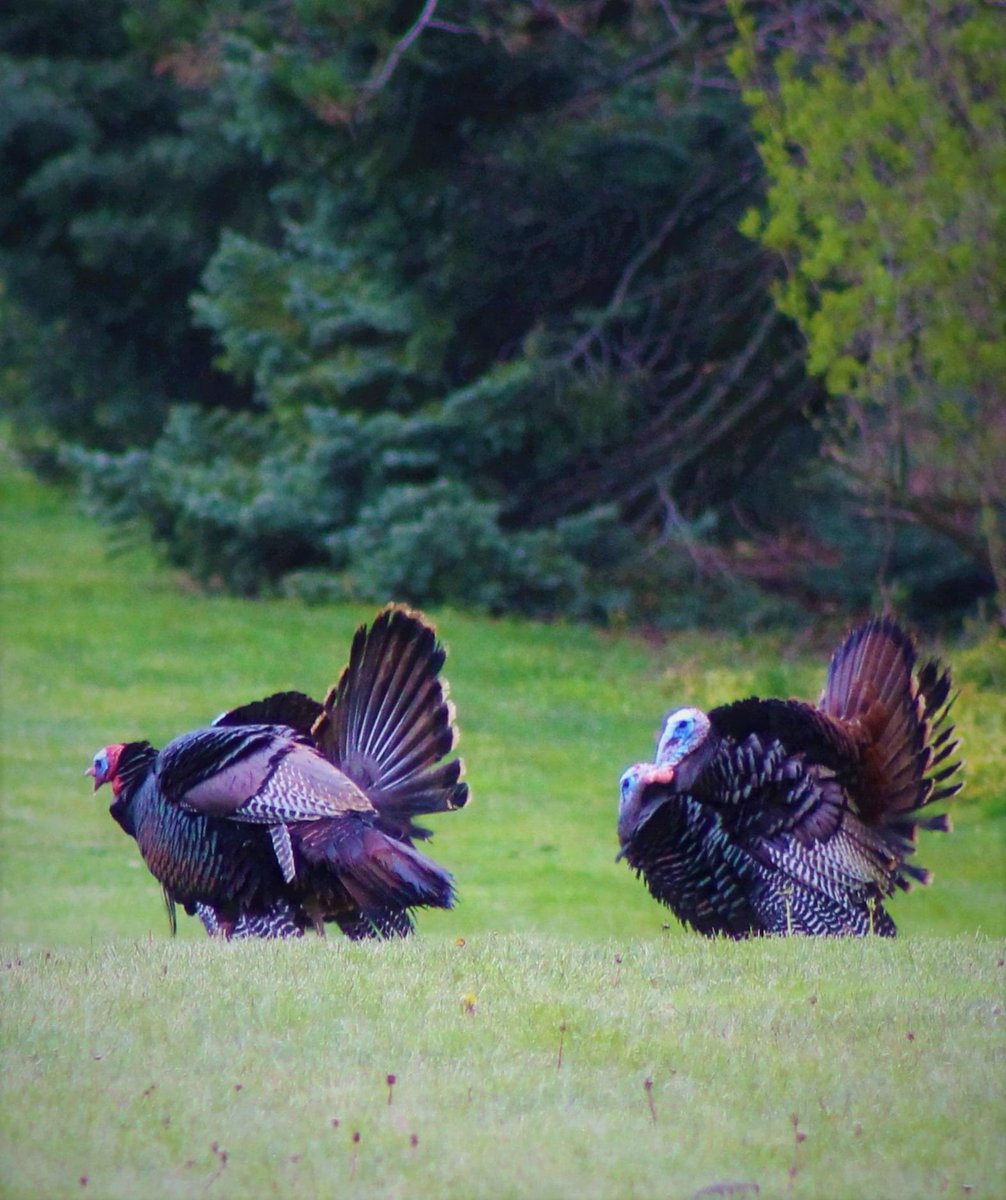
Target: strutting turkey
(287,813)
(776,816)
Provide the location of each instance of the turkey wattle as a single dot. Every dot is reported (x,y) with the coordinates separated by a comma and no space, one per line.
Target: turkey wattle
(778,816)
(288,813)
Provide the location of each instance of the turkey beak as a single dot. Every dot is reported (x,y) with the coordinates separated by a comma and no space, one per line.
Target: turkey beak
(94,775)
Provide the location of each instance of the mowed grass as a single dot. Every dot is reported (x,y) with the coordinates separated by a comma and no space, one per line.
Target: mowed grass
(520,1067)
(127,1056)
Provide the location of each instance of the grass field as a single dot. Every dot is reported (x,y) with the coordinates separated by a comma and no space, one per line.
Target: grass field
(128,1056)
(135,1060)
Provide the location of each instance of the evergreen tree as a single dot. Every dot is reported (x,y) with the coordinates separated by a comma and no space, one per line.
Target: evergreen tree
(509,319)
(117,181)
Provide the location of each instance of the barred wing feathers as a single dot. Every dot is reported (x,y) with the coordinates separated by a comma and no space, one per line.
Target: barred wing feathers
(262,774)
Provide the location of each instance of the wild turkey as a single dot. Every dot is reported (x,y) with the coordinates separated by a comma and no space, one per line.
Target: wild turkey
(776,816)
(287,813)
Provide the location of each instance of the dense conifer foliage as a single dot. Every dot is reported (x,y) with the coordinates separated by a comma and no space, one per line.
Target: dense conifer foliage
(445,301)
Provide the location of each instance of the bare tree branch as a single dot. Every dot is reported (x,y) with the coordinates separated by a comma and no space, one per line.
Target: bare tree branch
(376,82)
(618,296)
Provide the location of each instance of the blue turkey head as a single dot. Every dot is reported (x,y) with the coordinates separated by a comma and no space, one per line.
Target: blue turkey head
(685,729)
(635,807)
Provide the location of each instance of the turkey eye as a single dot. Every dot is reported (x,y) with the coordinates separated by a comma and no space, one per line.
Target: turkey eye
(681,727)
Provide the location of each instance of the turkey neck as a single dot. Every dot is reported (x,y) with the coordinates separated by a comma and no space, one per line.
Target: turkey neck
(135,764)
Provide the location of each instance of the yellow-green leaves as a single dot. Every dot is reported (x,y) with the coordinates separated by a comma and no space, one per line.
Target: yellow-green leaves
(885,150)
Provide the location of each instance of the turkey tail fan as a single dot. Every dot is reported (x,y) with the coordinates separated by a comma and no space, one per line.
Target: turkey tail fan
(901,713)
(873,665)
(377,871)
(388,722)
(293,709)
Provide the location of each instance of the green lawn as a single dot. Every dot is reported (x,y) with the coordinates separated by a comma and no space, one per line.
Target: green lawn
(134,1060)
(123,1050)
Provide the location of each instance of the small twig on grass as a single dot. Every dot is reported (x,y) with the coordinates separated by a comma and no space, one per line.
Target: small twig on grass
(222,1159)
(352,1160)
(562,1037)
(728,1188)
(798,1137)
(648,1088)
(391,1088)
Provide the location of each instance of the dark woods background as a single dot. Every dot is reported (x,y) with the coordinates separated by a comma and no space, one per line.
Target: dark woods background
(450,301)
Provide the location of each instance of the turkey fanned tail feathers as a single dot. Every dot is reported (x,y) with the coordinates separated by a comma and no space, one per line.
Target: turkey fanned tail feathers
(389,722)
(791,818)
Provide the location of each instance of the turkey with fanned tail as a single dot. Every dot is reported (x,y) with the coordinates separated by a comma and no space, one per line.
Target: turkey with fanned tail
(287,813)
(778,816)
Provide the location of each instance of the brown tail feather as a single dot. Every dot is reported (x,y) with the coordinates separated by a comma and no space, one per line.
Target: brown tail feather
(900,714)
(376,871)
(386,678)
(389,724)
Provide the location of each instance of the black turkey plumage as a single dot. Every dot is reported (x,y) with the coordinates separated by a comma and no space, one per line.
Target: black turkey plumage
(288,813)
(776,816)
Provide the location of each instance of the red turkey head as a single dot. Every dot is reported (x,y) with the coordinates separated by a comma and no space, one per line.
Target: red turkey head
(106,764)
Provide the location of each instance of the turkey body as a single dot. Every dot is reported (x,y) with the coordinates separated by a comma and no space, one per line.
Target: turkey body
(288,813)
(778,816)
(218,867)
